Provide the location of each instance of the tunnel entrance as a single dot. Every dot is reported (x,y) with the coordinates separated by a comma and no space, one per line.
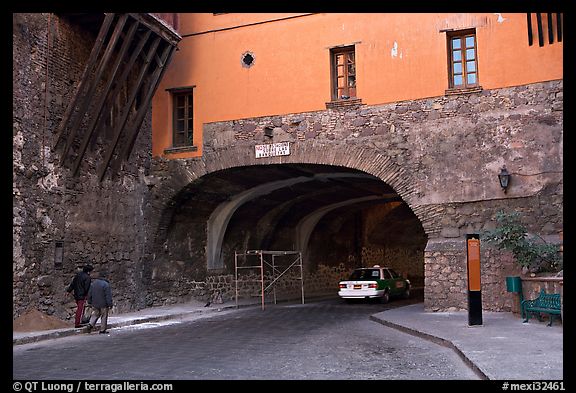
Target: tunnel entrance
(338,218)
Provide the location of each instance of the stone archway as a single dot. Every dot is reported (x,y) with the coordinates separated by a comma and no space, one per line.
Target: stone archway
(171,178)
(174,182)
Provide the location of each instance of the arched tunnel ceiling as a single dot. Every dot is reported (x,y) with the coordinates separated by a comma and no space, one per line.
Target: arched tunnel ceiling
(204,195)
(261,199)
(338,218)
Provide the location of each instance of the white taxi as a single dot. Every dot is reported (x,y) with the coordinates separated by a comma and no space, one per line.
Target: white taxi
(374,282)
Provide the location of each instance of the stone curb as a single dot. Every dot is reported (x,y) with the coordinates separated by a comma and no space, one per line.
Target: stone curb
(436,340)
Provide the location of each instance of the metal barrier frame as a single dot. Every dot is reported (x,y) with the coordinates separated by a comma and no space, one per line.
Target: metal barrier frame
(276,273)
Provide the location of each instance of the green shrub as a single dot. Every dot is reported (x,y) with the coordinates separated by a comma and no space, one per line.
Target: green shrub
(529,251)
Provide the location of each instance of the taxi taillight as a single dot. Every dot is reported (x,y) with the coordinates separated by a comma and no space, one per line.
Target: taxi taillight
(373,285)
(342,285)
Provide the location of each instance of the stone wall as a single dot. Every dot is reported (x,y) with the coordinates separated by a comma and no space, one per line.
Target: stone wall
(407,262)
(445,284)
(98,223)
(454,146)
(222,287)
(445,257)
(531,286)
(394,237)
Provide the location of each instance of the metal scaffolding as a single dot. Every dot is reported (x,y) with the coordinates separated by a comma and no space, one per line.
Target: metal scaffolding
(271,262)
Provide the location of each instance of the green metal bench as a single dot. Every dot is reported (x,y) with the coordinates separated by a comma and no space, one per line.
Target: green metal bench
(545,303)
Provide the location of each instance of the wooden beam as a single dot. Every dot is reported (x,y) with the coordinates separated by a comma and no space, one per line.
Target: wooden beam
(93,84)
(559,26)
(529,24)
(127,108)
(97,110)
(539,23)
(550,29)
(102,34)
(128,68)
(166,57)
(152,22)
(158,59)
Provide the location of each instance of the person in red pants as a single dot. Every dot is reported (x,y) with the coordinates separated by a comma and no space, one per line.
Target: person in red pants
(79,288)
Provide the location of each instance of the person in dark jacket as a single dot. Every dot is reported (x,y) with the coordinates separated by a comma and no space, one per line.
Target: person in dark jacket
(100,297)
(79,289)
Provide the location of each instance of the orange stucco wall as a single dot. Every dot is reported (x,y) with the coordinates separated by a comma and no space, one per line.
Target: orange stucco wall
(398,57)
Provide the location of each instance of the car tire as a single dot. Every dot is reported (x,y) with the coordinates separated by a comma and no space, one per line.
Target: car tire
(385,297)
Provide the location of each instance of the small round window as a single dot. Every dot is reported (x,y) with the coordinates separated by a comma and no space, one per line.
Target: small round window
(247,59)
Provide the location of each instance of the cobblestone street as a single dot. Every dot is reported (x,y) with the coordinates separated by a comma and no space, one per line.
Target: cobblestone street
(318,341)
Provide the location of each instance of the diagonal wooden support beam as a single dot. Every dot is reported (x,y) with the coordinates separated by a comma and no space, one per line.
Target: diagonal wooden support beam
(93,84)
(166,57)
(158,59)
(127,108)
(97,110)
(134,128)
(128,68)
(102,34)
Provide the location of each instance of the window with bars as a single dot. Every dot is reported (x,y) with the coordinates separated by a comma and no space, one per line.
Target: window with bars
(343,73)
(463,61)
(183,118)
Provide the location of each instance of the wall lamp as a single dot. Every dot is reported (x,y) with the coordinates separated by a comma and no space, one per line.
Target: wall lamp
(504,178)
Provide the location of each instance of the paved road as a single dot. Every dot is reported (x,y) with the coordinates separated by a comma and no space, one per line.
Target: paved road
(325,340)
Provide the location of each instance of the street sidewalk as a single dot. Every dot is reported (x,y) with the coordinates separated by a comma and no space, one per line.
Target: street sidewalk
(502,348)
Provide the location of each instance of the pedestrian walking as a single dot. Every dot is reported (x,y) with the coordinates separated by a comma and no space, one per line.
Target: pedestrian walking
(100,298)
(79,288)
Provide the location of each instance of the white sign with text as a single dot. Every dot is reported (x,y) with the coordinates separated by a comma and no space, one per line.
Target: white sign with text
(273,150)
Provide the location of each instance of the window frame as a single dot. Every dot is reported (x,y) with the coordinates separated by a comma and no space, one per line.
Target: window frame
(462,34)
(334,53)
(188,128)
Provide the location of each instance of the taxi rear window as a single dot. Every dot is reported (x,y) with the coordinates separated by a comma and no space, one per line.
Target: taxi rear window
(365,274)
